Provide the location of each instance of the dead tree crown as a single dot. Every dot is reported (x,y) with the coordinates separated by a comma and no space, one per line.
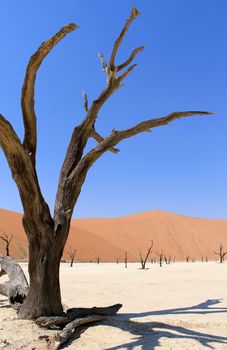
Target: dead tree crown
(21,155)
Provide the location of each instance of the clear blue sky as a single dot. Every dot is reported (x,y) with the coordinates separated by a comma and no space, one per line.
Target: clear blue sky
(180,168)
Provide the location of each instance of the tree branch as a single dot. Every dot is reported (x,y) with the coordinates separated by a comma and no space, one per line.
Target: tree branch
(116,136)
(85,101)
(130,59)
(23,173)
(76,177)
(85,130)
(76,166)
(65,334)
(103,61)
(134,14)
(100,139)
(27,98)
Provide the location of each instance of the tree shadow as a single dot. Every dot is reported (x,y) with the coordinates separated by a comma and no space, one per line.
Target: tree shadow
(207,307)
(148,334)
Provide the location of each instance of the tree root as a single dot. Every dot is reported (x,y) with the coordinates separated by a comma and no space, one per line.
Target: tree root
(63,336)
(74,318)
(16,289)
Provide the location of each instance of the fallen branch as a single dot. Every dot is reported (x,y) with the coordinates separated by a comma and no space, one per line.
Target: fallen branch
(63,336)
(17,287)
(74,318)
(76,313)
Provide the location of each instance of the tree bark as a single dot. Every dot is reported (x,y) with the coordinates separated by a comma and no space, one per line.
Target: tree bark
(16,288)
(45,252)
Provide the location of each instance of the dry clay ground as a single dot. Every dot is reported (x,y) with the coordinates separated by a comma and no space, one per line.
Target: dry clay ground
(177,307)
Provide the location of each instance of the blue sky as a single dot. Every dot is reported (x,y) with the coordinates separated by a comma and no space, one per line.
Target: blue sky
(180,168)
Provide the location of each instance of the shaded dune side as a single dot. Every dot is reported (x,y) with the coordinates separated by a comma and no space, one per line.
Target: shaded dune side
(177,235)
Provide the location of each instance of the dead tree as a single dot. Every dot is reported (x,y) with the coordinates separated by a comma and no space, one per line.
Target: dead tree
(221,254)
(143,260)
(160,256)
(47,234)
(187,258)
(117,260)
(16,288)
(71,253)
(126,260)
(5,237)
(167,259)
(98,260)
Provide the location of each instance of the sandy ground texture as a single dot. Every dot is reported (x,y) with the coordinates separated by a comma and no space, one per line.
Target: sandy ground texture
(177,307)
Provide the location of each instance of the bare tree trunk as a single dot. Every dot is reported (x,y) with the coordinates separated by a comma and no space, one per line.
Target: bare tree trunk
(45,252)
(221,254)
(143,261)
(72,254)
(5,237)
(160,255)
(126,260)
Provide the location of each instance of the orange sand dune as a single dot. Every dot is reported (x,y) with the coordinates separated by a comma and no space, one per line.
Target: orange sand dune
(177,235)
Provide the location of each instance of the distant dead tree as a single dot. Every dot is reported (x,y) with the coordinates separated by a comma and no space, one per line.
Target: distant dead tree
(144,260)
(187,258)
(167,259)
(117,260)
(7,239)
(126,260)
(193,260)
(71,253)
(160,256)
(221,254)
(206,258)
(202,259)
(98,260)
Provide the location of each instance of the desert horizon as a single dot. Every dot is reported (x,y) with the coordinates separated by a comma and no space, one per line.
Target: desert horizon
(177,235)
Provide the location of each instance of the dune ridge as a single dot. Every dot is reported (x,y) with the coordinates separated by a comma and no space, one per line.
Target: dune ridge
(177,235)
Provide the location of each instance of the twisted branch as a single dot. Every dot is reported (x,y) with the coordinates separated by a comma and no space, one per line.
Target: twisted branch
(134,14)
(23,172)
(27,97)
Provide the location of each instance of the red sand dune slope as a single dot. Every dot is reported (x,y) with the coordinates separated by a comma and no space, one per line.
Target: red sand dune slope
(176,235)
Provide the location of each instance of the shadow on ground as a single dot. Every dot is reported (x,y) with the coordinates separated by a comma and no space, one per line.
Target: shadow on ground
(147,335)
